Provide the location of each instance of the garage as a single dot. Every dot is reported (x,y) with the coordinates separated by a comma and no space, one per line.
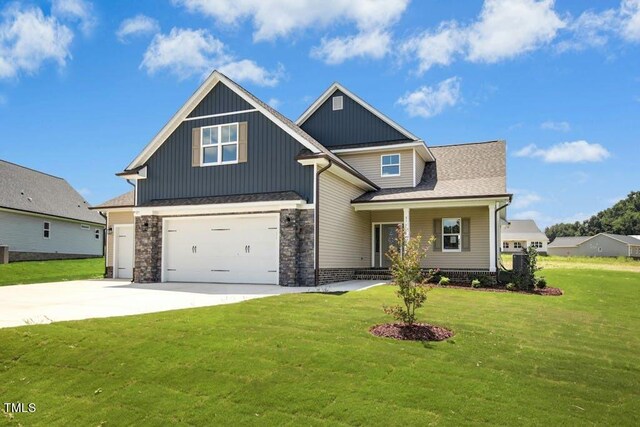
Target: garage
(221,249)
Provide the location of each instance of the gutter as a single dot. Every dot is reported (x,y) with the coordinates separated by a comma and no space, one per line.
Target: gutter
(316,243)
(495,218)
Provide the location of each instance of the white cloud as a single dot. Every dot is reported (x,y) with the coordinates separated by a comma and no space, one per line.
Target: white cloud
(524,198)
(566,152)
(28,39)
(274,102)
(590,29)
(436,47)
(373,44)
(544,220)
(630,12)
(557,126)
(187,52)
(138,25)
(428,101)
(276,18)
(76,10)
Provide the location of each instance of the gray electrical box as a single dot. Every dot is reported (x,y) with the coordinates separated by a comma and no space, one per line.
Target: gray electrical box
(4,254)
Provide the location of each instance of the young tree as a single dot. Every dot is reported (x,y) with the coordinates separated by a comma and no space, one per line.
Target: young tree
(407,275)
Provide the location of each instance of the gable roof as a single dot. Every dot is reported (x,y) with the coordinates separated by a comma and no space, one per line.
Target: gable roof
(280,120)
(570,242)
(471,170)
(521,226)
(338,87)
(125,200)
(28,190)
(630,240)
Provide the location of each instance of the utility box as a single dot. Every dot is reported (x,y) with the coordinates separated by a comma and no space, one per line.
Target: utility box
(520,262)
(4,254)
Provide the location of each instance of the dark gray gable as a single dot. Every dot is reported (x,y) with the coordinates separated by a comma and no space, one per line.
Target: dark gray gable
(354,124)
(219,100)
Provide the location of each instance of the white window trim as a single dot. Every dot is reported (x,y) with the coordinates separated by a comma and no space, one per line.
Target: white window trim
(505,245)
(97,234)
(517,245)
(220,144)
(382,174)
(46,226)
(452,234)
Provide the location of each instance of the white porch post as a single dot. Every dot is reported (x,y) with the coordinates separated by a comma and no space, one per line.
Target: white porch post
(406,225)
(492,237)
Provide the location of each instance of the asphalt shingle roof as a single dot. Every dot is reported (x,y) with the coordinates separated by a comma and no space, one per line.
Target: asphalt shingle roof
(577,240)
(28,190)
(122,201)
(463,170)
(520,226)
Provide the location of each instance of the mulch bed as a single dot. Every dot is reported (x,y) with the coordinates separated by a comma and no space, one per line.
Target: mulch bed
(548,291)
(415,332)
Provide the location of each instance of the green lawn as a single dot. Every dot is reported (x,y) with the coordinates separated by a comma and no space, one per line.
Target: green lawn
(584,262)
(51,271)
(309,360)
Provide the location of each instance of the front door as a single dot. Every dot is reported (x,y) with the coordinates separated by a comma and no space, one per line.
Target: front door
(385,235)
(123,235)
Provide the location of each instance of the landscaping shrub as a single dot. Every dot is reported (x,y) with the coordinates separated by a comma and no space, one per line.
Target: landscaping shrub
(526,279)
(476,283)
(444,281)
(511,286)
(407,276)
(541,283)
(434,275)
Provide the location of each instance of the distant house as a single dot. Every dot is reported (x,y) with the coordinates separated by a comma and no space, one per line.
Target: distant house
(603,244)
(522,233)
(42,217)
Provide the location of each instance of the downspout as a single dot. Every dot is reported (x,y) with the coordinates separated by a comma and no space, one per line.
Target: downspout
(317,225)
(135,202)
(498,244)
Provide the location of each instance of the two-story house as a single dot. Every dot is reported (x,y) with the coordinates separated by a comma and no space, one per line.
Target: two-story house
(231,191)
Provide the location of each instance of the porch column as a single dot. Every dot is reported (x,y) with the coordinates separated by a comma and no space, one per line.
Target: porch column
(406,225)
(492,237)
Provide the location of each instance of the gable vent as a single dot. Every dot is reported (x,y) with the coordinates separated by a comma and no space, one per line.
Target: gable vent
(337,103)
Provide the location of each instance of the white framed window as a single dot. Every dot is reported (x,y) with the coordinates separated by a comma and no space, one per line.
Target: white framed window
(517,245)
(536,245)
(337,103)
(390,165)
(46,230)
(451,234)
(85,227)
(97,234)
(219,144)
(505,245)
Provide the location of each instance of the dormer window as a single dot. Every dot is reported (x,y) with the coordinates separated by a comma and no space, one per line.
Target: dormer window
(390,165)
(337,102)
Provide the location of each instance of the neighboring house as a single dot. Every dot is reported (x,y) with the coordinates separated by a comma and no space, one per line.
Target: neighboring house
(230,190)
(42,217)
(522,233)
(603,244)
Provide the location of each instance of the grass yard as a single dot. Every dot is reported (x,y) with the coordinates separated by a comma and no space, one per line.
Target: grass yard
(598,263)
(51,271)
(307,359)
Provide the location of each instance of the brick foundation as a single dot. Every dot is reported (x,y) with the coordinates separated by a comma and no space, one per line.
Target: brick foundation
(45,256)
(332,275)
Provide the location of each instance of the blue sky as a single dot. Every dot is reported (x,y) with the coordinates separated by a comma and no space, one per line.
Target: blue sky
(84,85)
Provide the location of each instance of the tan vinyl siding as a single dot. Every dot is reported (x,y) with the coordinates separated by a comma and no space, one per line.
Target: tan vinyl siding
(419,166)
(345,235)
(387,216)
(368,164)
(115,218)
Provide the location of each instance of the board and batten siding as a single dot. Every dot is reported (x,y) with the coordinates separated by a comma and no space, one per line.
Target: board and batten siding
(421,222)
(116,218)
(354,124)
(24,233)
(345,235)
(271,164)
(369,164)
(420,164)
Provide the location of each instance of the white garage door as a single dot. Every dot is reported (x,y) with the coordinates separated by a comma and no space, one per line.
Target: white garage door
(223,249)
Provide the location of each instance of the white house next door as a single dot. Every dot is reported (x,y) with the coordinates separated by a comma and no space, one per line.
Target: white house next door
(222,249)
(123,259)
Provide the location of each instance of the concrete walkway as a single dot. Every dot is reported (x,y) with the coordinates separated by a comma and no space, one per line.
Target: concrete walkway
(85,299)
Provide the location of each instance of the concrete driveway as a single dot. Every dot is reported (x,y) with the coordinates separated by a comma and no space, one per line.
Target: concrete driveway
(85,299)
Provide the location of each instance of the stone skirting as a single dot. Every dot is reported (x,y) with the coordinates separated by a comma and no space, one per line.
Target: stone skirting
(148,249)
(296,247)
(108,273)
(45,256)
(332,275)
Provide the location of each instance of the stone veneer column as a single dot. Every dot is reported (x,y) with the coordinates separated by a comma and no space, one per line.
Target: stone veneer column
(148,249)
(296,247)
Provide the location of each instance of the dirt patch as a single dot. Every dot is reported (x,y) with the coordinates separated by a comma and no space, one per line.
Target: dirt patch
(548,291)
(415,332)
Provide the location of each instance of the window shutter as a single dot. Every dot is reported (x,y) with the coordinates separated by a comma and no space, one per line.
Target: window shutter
(437,232)
(466,235)
(196,155)
(242,142)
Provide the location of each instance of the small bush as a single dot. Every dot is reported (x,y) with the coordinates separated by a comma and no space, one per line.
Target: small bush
(476,283)
(511,286)
(541,283)
(444,281)
(434,275)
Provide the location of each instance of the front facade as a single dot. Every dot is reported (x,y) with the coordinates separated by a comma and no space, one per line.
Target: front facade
(600,245)
(519,234)
(42,217)
(231,191)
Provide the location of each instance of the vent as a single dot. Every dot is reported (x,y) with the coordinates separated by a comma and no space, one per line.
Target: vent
(337,103)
